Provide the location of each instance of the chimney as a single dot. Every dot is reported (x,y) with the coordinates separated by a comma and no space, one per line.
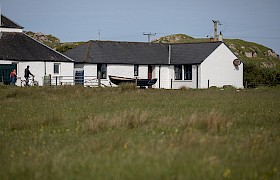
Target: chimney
(215,29)
(220,37)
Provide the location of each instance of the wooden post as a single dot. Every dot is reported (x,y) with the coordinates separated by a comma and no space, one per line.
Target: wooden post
(50,80)
(208,83)
(171,83)
(56,80)
(135,81)
(99,78)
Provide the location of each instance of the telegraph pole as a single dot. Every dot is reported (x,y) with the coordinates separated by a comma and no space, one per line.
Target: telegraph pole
(149,35)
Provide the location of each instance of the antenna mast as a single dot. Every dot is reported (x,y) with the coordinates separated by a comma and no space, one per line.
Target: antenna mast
(99,33)
(149,35)
(216,35)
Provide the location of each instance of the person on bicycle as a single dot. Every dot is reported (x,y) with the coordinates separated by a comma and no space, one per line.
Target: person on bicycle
(27,73)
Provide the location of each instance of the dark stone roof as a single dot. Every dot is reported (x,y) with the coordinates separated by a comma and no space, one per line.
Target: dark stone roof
(110,52)
(7,23)
(192,53)
(20,47)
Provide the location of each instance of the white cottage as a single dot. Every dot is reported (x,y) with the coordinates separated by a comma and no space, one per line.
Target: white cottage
(191,65)
(18,50)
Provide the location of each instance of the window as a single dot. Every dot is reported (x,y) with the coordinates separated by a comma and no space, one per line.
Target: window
(178,72)
(56,68)
(136,70)
(102,68)
(188,72)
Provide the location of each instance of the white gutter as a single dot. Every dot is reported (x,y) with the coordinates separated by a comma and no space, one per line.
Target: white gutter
(169,56)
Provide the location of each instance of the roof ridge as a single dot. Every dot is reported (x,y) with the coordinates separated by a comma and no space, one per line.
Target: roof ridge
(130,42)
(210,42)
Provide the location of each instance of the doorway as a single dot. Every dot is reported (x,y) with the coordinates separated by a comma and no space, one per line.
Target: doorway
(150,72)
(5,70)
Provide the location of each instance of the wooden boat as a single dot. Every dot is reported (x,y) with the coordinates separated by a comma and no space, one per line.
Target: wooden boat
(117,80)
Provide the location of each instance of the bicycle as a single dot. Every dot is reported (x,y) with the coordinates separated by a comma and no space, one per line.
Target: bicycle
(31,82)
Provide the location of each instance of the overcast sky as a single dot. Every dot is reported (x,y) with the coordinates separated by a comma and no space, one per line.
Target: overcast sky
(126,20)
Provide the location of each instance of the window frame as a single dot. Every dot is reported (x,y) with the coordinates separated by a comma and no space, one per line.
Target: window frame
(56,70)
(102,68)
(188,72)
(136,70)
(178,71)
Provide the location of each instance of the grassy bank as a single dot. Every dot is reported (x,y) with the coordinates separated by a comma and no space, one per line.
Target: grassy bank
(123,133)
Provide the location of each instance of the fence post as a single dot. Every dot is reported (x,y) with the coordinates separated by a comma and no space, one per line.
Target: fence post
(246,84)
(171,83)
(56,80)
(50,80)
(208,83)
(99,79)
(136,82)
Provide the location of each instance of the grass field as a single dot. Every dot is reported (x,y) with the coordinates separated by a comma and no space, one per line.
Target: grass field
(126,133)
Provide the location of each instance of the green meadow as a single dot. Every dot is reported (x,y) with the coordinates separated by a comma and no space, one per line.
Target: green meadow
(127,133)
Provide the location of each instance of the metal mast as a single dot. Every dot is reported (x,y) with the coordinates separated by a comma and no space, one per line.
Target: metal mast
(149,35)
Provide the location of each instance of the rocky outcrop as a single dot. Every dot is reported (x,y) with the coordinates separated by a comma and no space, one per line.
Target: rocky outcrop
(175,38)
(272,53)
(251,54)
(49,40)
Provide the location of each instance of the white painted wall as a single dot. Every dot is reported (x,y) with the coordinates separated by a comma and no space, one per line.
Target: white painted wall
(38,68)
(218,68)
(164,72)
(125,70)
(65,75)
(177,84)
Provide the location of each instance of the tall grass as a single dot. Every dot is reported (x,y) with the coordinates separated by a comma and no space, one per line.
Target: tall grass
(128,133)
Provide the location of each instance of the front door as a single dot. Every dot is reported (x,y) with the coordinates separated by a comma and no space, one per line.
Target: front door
(150,71)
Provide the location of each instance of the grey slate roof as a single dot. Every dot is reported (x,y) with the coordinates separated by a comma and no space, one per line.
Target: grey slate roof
(192,53)
(7,23)
(20,47)
(110,52)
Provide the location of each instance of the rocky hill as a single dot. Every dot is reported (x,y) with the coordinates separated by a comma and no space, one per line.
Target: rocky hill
(52,41)
(48,40)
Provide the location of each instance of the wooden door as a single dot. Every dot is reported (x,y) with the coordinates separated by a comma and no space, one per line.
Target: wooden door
(150,71)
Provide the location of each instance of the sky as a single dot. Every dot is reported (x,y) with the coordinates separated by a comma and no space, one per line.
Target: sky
(126,20)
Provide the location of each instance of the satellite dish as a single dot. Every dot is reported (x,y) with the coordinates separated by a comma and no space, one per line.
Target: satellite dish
(236,62)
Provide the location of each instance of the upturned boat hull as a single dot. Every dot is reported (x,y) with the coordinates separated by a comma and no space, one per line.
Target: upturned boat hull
(117,80)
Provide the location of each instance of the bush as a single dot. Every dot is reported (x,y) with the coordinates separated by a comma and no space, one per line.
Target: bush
(255,76)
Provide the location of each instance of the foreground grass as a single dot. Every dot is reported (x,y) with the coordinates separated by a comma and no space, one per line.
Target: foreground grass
(118,133)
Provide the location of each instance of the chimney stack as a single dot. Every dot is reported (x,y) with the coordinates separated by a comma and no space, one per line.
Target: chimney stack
(220,37)
(215,29)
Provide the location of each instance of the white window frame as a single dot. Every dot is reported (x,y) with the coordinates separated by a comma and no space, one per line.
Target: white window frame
(54,68)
